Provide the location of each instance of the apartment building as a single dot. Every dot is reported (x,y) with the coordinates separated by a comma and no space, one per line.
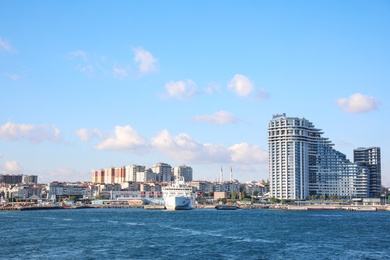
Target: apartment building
(302,162)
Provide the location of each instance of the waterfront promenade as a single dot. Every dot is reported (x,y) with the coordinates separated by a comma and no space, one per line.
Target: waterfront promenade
(208,206)
(307,207)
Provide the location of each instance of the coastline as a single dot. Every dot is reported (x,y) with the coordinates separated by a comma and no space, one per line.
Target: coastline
(365,208)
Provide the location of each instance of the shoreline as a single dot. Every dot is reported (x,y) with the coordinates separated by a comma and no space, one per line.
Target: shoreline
(359,208)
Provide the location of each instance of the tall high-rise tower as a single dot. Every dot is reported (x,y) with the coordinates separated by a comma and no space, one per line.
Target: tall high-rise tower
(371,158)
(303,163)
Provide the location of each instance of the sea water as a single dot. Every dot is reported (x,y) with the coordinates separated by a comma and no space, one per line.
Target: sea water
(194,234)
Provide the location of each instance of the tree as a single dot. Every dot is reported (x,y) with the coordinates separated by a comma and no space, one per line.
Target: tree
(223,200)
(74,198)
(100,197)
(234,195)
(274,200)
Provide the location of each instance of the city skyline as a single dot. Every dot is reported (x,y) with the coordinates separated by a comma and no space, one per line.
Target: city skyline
(91,85)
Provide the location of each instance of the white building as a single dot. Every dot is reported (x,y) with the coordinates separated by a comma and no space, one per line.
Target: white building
(202,186)
(183,171)
(131,172)
(109,175)
(227,186)
(303,163)
(163,172)
(147,175)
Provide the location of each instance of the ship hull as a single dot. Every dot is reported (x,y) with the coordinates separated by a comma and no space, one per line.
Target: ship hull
(178,203)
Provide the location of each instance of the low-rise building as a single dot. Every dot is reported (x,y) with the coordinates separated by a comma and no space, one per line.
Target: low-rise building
(57,191)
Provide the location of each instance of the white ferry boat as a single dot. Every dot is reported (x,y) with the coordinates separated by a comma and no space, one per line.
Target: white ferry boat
(178,196)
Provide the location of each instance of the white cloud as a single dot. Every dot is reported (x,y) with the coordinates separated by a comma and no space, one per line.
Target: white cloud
(180,89)
(145,60)
(124,138)
(78,54)
(184,149)
(35,134)
(12,166)
(219,118)
(87,69)
(241,85)
(358,103)
(244,153)
(83,63)
(5,45)
(86,135)
(64,174)
(212,88)
(120,73)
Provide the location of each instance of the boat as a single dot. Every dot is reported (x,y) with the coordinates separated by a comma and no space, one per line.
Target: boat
(226,207)
(178,196)
(365,209)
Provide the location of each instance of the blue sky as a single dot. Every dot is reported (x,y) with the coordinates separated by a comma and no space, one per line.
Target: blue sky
(92,84)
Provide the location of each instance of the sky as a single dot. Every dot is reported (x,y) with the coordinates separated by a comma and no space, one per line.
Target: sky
(87,85)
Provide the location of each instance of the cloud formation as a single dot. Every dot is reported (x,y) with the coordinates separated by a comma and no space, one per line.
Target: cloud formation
(180,89)
(124,138)
(64,174)
(86,69)
(35,134)
(218,118)
(145,60)
(82,62)
(183,148)
(358,103)
(11,166)
(120,73)
(86,135)
(6,46)
(78,54)
(244,153)
(98,65)
(211,88)
(241,85)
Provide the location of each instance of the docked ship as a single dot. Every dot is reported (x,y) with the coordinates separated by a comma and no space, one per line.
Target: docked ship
(178,196)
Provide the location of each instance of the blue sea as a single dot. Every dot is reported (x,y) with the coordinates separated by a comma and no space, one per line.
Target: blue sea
(194,234)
